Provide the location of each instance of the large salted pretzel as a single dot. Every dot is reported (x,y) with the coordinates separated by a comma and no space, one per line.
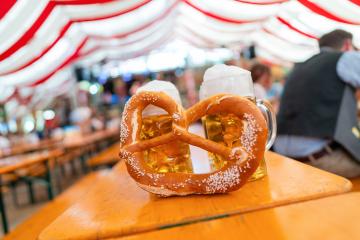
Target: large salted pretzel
(242,161)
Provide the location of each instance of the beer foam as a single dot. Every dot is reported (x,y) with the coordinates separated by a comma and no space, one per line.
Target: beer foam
(159,86)
(222,78)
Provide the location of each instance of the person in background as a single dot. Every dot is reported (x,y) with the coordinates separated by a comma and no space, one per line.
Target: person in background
(317,122)
(121,93)
(261,75)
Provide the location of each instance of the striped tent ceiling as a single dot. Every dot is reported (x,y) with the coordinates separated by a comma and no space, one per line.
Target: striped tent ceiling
(40,40)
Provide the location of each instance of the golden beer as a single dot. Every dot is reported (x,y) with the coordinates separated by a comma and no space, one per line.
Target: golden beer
(170,157)
(227,129)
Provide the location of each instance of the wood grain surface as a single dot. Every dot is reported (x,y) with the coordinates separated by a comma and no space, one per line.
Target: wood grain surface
(328,218)
(116,206)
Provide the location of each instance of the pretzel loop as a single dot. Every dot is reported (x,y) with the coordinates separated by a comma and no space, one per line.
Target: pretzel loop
(242,161)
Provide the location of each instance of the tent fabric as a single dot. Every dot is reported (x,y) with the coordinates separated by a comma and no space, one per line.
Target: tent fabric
(40,41)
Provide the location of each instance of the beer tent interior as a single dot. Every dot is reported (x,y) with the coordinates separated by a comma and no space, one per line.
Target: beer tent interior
(41,41)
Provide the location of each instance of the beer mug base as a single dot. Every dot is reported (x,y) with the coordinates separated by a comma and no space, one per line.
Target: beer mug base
(260,172)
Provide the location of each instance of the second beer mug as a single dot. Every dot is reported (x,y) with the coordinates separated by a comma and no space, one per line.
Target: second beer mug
(227,128)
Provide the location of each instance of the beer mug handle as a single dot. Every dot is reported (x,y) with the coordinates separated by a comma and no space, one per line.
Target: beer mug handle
(270,117)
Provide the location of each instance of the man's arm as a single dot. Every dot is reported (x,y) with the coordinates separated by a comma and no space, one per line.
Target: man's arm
(348,68)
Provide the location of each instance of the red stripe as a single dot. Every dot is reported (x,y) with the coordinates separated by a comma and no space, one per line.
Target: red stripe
(282,38)
(24,39)
(357,2)
(61,34)
(69,60)
(220,18)
(94,49)
(295,29)
(134,54)
(122,35)
(114,14)
(80,2)
(46,12)
(47,49)
(5,6)
(262,3)
(136,40)
(319,10)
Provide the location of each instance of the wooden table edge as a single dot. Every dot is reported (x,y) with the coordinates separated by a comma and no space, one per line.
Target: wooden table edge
(11,168)
(153,227)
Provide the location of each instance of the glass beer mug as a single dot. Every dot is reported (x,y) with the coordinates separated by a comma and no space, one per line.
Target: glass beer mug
(227,128)
(170,157)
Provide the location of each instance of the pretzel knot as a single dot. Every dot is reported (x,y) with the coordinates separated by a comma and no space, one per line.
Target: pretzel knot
(242,161)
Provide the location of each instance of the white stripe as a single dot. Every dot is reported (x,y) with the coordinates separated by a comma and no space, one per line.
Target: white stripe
(214,36)
(263,53)
(237,10)
(186,35)
(195,16)
(46,64)
(47,34)
(286,51)
(98,10)
(18,20)
(165,23)
(128,22)
(292,36)
(342,9)
(55,81)
(124,52)
(6,92)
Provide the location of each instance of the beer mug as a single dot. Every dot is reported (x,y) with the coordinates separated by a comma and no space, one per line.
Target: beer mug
(173,156)
(227,128)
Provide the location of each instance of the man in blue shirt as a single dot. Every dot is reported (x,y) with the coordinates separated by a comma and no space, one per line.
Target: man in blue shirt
(317,118)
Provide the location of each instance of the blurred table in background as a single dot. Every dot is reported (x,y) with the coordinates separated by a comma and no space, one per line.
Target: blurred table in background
(29,147)
(79,140)
(116,206)
(72,141)
(24,165)
(39,161)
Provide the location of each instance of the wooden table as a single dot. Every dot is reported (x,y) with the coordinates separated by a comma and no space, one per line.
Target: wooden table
(95,137)
(116,206)
(328,218)
(107,157)
(29,147)
(11,164)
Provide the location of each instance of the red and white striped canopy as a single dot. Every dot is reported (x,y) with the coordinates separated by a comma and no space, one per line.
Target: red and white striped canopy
(40,40)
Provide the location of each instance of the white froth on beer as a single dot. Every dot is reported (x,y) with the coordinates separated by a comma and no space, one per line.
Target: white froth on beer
(159,86)
(222,78)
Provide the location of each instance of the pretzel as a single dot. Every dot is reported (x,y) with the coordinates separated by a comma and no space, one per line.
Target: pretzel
(242,161)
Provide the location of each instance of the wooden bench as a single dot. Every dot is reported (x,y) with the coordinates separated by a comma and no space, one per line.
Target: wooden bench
(31,227)
(107,157)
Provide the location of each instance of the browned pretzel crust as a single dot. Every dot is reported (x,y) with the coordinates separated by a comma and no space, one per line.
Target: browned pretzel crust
(242,163)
